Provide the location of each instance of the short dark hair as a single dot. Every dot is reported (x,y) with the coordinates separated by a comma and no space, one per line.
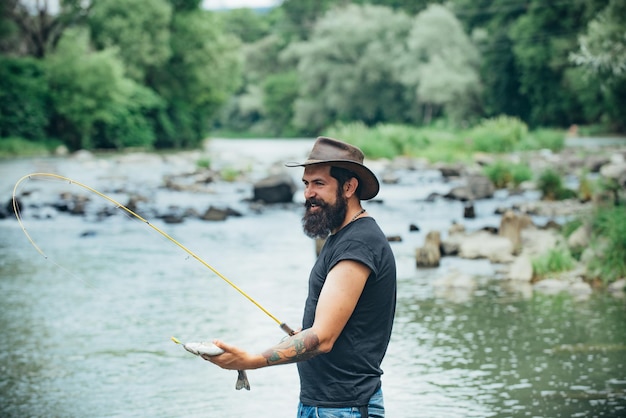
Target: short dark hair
(343,175)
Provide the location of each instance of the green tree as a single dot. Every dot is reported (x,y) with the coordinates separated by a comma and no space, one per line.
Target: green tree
(140,29)
(345,68)
(279,93)
(246,24)
(489,21)
(89,91)
(441,66)
(303,14)
(201,74)
(601,56)
(542,40)
(602,47)
(24,106)
(39,26)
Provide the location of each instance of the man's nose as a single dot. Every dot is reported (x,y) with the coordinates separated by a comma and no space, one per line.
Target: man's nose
(308,192)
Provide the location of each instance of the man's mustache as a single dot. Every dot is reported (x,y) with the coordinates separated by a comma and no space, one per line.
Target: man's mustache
(314,202)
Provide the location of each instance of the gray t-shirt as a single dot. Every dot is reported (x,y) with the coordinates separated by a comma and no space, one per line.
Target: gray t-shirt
(350,373)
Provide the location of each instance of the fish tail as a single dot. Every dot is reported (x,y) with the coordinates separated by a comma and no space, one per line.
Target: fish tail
(242,380)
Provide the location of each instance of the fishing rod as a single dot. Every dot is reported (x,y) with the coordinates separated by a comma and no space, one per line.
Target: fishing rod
(282,325)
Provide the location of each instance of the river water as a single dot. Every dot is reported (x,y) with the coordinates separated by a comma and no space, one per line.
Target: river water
(86,331)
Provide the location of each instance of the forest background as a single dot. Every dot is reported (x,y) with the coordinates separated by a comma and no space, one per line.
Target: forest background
(165,74)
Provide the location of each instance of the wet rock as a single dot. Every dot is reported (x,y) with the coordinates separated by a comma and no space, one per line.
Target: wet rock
(480,186)
(451,244)
(461,193)
(449,171)
(510,227)
(476,187)
(429,255)
(7,209)
(277,188)
(173,215)
(390,177)
(72,203)
(580,238)
(485,245)
(468,211)
(217,214)
(615,172)
(617,286)
(538,241)
(521,269)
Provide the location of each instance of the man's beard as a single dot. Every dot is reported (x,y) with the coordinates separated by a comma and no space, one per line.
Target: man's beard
(327,218)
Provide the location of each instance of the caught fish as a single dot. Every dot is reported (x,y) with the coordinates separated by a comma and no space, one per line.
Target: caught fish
(210,349)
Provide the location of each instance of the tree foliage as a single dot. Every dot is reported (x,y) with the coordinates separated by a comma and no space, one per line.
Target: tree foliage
(199,77)
(345,68)
(139,29)
(163,73)
(24,109)
(441,66)
(89,89)
(603,45)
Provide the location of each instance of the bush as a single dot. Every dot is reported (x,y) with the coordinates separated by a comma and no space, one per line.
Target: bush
(552,139)
(503,174)
(556,260)
(24,107)
(392,140)
(609,227)
(367,139)
(551,186)
(498,135)
(19,147)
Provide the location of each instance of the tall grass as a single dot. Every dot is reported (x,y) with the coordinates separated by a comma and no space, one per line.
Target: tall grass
(609,239)
(444,144)
(504,174)
(554,261)
(18,147)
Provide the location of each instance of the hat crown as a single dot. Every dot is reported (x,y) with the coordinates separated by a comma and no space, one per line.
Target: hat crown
(328,149)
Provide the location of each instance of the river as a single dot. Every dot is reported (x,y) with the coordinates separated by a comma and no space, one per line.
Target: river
(86,331)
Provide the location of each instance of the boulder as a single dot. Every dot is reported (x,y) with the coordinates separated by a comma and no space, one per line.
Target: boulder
(429,255)
(579,239)
(510,227)
(617,287)
(469,212)
(218,214)
(538,241)
(485,245)
(476,187)
(521,269)
(480,186)
(277,188)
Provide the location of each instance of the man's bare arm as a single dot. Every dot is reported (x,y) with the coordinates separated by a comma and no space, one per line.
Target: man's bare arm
(299,347)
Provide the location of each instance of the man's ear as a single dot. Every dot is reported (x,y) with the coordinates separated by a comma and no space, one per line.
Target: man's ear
(350,186)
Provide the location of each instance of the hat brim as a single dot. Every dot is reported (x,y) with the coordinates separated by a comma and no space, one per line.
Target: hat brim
(368,183)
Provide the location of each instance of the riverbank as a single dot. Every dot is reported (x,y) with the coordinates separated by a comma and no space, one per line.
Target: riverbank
(221,180)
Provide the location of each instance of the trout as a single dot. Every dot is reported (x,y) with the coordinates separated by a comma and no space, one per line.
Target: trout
(210,349)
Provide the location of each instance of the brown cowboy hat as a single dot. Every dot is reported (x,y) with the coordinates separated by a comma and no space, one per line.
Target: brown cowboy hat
(340,154)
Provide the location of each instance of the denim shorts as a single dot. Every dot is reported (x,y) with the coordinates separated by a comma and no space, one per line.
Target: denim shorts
(375,407)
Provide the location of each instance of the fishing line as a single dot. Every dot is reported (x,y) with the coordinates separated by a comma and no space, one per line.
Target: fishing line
(131,213)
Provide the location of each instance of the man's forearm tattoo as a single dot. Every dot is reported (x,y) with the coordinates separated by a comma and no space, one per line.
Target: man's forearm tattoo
(300,347)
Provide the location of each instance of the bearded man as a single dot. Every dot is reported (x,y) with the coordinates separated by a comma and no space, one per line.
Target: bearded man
(349,311)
